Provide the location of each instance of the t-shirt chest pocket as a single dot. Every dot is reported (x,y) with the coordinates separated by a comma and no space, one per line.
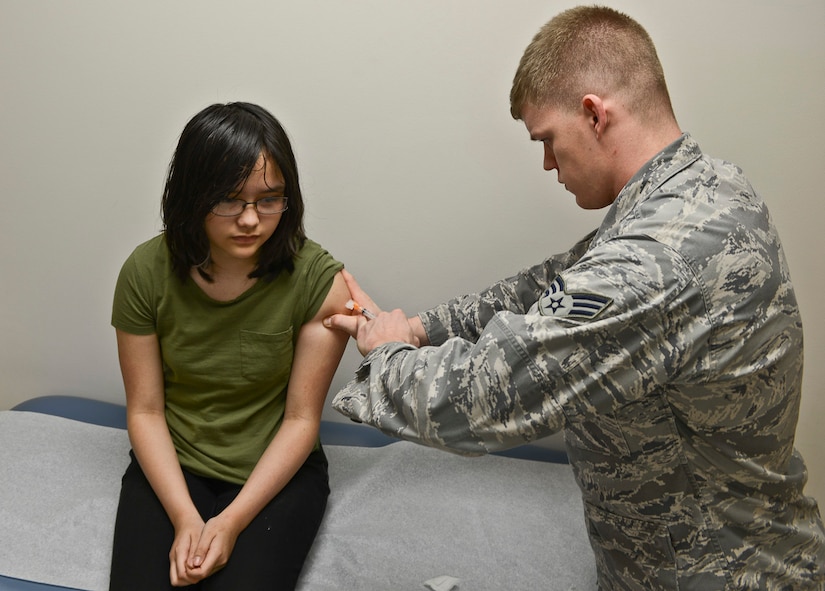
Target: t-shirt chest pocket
(266,357)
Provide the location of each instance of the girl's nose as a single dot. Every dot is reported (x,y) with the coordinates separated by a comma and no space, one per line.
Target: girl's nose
(249,216)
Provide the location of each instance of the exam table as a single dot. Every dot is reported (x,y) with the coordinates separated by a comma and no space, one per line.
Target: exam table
(400,516)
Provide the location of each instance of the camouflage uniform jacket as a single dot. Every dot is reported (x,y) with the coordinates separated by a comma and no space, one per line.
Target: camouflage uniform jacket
(668,347)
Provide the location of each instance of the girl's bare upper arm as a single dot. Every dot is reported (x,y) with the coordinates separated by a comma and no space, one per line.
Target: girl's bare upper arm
(317,354)
(142,371)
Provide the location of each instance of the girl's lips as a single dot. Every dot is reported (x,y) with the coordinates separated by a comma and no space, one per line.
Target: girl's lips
(245,239)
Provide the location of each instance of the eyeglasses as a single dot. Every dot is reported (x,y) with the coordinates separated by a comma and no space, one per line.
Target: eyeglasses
(230,207)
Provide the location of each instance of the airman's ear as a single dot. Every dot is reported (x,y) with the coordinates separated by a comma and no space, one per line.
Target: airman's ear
(593,106)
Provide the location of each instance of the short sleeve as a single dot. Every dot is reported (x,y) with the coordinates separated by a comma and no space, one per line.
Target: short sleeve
(319,271)
(132,308)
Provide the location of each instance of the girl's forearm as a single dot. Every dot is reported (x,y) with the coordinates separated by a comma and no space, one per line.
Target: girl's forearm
(284,456)
(156,454)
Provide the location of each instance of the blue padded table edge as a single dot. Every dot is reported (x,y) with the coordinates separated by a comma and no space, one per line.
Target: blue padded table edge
(86,410)
(109,414)
(10,584)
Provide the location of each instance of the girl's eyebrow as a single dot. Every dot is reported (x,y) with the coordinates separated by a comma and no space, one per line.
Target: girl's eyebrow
(278,189)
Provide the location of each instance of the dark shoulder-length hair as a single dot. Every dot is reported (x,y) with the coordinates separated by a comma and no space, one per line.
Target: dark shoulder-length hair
(216,152)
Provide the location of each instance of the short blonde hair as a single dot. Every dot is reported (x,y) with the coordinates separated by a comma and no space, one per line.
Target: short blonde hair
(591,50)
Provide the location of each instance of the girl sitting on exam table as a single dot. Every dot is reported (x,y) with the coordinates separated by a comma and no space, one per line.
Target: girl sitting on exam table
(226,366)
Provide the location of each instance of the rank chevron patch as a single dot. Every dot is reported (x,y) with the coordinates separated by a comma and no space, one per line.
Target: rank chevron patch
(558,303)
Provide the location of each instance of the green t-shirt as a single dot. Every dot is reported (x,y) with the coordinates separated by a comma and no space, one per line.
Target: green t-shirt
(226,364)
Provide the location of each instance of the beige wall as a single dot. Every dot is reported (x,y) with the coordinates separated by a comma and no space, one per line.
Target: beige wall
(415,175)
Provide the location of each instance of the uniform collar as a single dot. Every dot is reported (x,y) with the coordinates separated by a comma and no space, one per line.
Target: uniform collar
(673,159)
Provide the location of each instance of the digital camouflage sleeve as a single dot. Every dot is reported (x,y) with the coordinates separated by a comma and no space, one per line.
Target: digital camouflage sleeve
(668,347)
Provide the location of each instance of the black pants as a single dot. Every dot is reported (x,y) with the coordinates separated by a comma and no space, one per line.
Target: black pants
(268,554)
